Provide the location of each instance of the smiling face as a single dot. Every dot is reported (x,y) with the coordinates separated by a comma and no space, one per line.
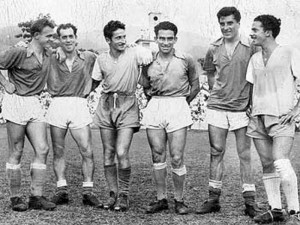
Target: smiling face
(68,40)
(258,34)
(45,37)
(229,27)
(165,40)
(118,40)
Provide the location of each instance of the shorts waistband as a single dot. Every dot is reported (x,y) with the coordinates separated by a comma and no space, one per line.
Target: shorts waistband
(119,93)
(165,97)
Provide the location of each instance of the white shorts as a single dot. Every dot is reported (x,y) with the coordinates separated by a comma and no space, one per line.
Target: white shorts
(169,113)
(226,119)
(22,109)
(69,112)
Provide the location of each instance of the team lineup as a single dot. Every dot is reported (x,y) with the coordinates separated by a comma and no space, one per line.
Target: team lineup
(252,85)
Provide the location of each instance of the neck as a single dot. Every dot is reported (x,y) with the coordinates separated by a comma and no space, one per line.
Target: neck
(37,48)
(269,46)
(70,55)
(166,55)
(114,53)
(232,40)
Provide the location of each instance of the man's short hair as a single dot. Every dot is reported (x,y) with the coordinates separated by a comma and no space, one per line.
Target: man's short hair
(165,25)
(270,23)
(227,11)
(39,25)
(66,26)
(112,26)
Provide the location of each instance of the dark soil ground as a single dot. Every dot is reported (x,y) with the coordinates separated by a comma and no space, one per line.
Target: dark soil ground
(142,188)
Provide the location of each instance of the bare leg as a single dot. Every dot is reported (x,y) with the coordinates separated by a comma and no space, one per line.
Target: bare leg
(157,139)
(83,138)
(177,141)
(58,143)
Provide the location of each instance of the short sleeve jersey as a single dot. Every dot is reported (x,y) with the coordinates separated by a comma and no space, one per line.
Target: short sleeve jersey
(24,70)
(231,91)
(75,83)
(273,83)
(173,80)
(121,75)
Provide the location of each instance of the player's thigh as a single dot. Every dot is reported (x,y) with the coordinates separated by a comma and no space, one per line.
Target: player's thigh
(217,137)
(177,141)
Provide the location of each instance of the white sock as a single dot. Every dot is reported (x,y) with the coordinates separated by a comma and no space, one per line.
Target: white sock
(61,183)
(215,184)
(288,182)
(272,186)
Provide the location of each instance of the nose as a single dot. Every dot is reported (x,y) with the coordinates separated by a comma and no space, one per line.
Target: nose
(225,27)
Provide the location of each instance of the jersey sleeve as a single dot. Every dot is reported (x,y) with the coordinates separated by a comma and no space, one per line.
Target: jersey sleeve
(249,74)
(295,65)
(11,57)
(208,64)
(144,78)
(192,69)
(97,73)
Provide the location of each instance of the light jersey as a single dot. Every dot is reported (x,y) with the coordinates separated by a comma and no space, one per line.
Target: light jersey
(273,84)
(122,75)
(75,83)
(231,91)
(173,79)
(28,75)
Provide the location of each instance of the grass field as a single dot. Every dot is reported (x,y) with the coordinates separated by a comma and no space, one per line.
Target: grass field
(142,188)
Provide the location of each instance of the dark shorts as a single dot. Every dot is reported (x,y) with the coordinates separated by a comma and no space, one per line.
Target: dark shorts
(266,126)
(117,111)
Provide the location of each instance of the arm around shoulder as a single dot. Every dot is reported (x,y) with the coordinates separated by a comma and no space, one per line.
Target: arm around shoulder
(193,76)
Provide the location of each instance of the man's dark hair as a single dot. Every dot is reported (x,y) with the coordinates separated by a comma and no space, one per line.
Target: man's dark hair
(165,25)
(112,26)
(39,25)
(66,26)
(270,23)
(227,11)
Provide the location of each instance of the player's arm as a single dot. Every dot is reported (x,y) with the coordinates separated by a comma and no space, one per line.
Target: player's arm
(144,55)
(193,77)
(96,74)
(295,69)
(9,59)
(145,81)
(209,68)
(8,86)
(250,80)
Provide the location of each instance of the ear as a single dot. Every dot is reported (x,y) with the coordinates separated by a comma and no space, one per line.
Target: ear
(268,33)
(108,40)
(175,39)
(36,35)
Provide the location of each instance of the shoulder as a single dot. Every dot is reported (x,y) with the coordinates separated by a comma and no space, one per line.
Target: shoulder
(17,50)
(102,56)
(89,55)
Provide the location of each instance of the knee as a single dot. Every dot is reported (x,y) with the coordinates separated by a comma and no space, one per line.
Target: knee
(267,165)
(16,154)
(58,150)
(43,150)
(177,161)
(122,156)
(86,152)
(245,156)
(109,159)
(158,156)
(217,150)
